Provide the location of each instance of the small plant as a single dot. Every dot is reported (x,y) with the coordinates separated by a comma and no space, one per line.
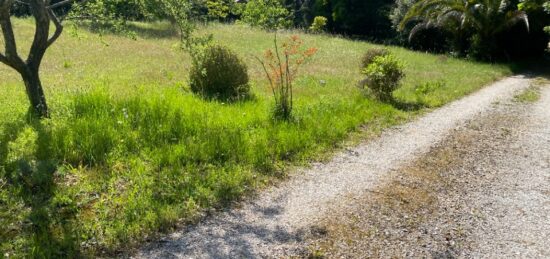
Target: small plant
(281,66)
(219,74)
(319,24)
(383,76)
(371,54)
(422,90)
(428,87)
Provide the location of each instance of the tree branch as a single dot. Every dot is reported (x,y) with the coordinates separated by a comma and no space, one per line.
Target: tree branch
(59,4)
(21,2)
(58,27)
(66,2)
(7,30)
(41,34)
(3,59)
(10,56)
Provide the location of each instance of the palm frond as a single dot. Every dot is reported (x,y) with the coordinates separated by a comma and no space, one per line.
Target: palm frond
(419,27)
(485,17)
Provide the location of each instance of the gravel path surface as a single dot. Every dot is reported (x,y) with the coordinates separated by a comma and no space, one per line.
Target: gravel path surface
(484,192)
(280,219)
(516,207)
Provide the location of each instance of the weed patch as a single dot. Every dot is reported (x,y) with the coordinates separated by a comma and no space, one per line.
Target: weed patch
(529,95)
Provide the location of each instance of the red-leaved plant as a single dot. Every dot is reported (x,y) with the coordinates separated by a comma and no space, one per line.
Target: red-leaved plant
(281,66)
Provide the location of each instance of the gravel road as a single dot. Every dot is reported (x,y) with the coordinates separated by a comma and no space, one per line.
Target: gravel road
(484,192)
(283,218)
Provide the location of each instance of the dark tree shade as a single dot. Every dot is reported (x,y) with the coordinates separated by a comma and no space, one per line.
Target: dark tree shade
(367,18)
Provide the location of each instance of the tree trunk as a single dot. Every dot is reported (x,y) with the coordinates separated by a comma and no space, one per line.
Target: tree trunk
(43,15)
(35,93)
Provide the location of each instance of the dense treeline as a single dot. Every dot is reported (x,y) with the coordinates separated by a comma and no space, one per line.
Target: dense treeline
(481,29)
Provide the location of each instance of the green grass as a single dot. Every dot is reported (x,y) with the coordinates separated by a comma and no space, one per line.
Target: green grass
(529,95)
(532,94)
(129,151)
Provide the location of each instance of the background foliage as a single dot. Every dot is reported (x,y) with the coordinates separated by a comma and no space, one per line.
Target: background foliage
(376,20)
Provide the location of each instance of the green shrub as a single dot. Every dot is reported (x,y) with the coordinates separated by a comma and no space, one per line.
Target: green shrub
(371,54)
(383,76)
(267,14)
(219,9)
(219,74)
(319,24)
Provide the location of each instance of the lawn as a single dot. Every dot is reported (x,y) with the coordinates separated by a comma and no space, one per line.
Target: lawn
(129,152)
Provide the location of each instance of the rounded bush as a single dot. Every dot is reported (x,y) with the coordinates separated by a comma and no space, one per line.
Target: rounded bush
(219,74)
(383,76)
(371,54)
(319,24)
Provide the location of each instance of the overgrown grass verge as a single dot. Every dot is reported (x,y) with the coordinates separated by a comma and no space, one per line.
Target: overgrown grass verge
(119,168)
(130,152)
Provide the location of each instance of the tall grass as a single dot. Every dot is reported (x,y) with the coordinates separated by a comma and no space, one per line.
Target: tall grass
(129,151)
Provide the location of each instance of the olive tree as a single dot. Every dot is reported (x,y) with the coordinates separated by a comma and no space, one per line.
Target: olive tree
(29,68)
(181,12)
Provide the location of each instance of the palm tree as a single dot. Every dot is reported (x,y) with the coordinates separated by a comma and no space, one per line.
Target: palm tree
(485,19)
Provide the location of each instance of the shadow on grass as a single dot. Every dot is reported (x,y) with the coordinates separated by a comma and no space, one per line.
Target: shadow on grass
(48,226)
(160,31)
(407,106)
(154,31)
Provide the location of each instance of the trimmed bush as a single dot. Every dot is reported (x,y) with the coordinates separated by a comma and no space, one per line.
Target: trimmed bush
(219,74)
(383,76)
(371,54)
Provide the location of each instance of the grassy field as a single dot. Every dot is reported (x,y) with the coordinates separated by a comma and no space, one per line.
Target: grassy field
(130,152)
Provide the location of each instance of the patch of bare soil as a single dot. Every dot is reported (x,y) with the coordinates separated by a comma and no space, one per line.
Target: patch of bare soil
(483,192)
